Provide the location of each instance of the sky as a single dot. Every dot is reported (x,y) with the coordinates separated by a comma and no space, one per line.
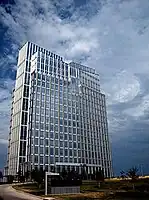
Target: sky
(111,36)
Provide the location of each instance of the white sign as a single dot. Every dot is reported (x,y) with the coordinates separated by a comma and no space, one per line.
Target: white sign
(48,176)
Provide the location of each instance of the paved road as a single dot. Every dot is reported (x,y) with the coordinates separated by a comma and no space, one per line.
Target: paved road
(8,193)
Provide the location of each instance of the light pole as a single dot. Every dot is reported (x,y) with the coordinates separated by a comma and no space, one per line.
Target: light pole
(142,170)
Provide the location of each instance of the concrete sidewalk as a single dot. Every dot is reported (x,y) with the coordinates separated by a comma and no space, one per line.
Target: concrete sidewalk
(7,192)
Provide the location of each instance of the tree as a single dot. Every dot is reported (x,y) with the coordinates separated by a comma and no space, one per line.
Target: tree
(99,176)
(122,174)
(84,173)
(133,174)
(64,173)
(27,175)
(10,179)
(38,176)
(73,175)
(33,174)
(19,173)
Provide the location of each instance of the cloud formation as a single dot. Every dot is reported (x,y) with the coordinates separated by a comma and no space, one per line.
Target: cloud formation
(111,36)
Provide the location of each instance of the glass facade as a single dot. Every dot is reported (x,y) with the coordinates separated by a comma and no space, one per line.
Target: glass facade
(62,120)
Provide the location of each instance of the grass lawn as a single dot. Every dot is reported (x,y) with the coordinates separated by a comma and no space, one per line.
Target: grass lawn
(110,189)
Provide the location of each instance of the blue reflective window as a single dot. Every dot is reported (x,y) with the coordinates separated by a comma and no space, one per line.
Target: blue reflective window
(66,152)
(51,134)
(61,152)
(74,145)
(46,160)
(70,152)
(65,137)
(51,151)
(61,128)
(51,160)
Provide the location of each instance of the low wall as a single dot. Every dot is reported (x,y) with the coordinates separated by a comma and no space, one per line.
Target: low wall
(65,190)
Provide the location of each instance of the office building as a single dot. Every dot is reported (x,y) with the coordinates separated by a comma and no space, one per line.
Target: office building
(59,117)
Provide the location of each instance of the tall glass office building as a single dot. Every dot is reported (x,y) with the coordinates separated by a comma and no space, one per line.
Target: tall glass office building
(58,115)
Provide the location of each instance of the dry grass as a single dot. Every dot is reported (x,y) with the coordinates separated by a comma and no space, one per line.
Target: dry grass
(29,188)
(25,188)
(89,195)
(90,191)
(81,196)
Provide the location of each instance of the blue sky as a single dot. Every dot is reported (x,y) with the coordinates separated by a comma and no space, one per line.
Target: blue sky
(109,35)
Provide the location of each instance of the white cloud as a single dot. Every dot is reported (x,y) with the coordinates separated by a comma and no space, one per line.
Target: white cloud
(116,123)
(113,40)
(5,107)
(124,87)
(4,93)
(2,141)
(139,110)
